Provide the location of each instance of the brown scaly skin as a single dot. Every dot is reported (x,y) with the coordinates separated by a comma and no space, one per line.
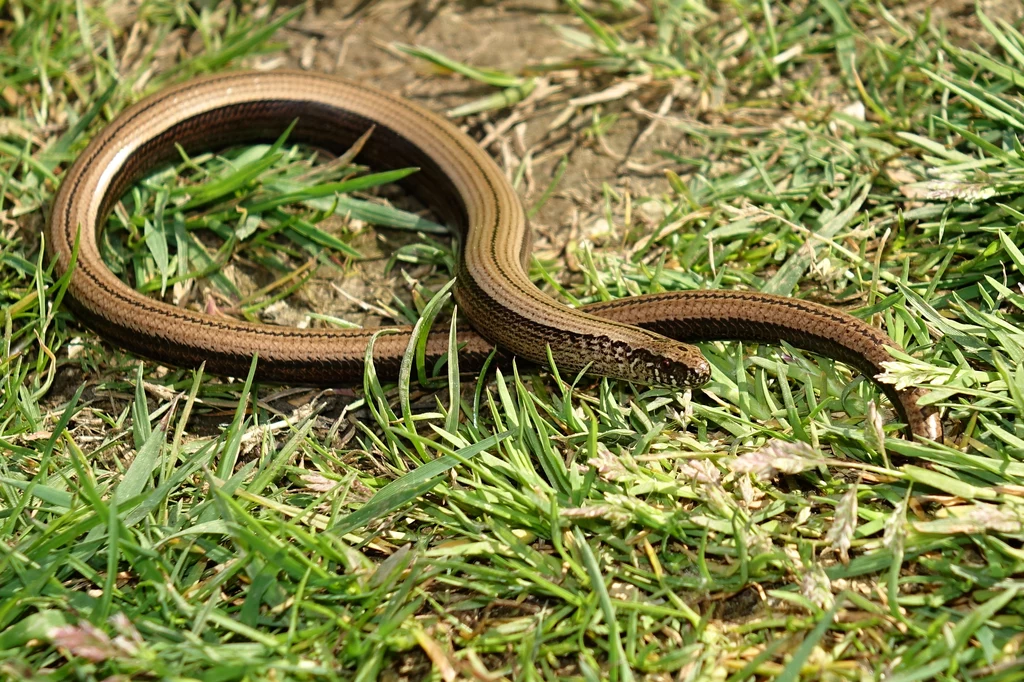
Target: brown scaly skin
(637,339)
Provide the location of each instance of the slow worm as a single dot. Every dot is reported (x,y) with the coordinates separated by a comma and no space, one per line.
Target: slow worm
(639,339)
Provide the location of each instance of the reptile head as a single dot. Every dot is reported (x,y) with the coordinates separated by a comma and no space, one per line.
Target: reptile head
(672,364)
(658,362)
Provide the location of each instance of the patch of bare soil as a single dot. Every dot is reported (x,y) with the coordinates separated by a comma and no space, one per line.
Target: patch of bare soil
(357,42)
(355,39)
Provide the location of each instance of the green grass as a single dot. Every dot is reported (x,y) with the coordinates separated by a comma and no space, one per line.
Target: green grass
(161,523)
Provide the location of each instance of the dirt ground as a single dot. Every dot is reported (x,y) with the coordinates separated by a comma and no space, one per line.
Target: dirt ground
(356,38)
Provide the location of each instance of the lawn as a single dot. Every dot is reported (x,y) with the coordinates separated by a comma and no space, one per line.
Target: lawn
(164,523)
